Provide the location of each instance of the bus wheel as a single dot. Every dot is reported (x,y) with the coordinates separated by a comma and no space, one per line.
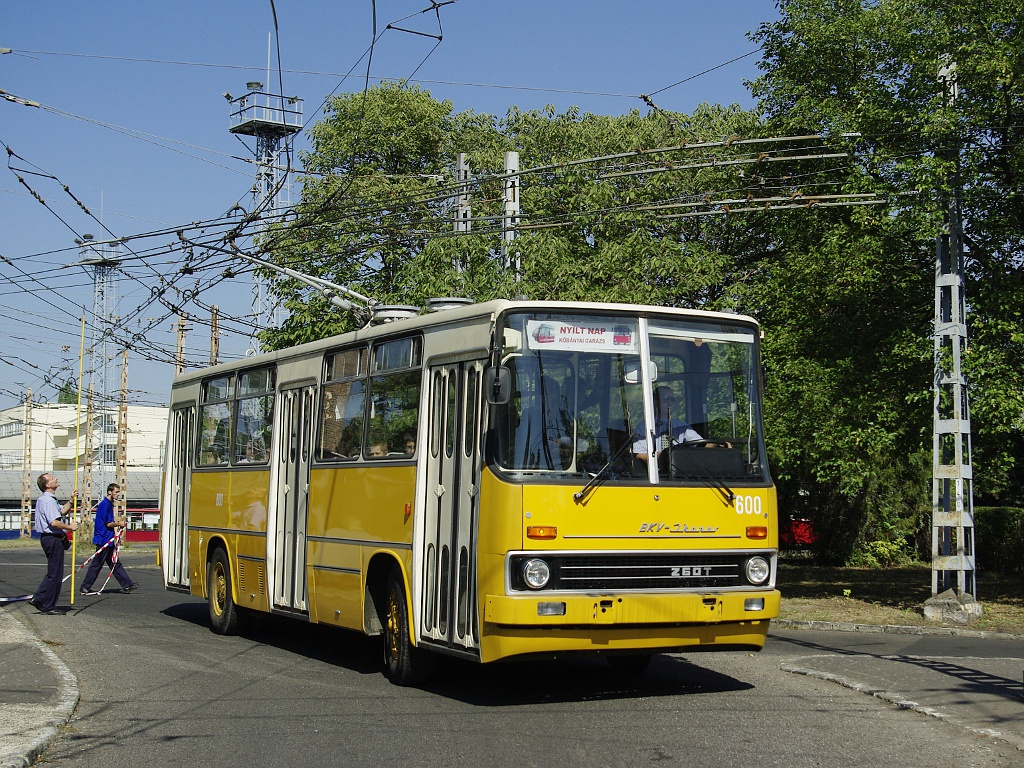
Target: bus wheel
(224,616)
(634,664)
(403,664)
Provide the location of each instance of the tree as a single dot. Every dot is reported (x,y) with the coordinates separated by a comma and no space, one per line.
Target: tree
(68,393)
(370,183)
(845,67)
(608,213)
(376,207)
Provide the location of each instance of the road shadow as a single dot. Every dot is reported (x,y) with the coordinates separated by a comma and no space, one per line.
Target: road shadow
(502,684)
(974,681)
(574,679)
(329,645)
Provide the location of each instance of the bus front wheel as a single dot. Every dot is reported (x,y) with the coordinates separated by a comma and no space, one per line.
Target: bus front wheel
(403,664)
(224,616)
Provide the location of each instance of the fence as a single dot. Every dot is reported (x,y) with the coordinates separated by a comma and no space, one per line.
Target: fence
(143,523)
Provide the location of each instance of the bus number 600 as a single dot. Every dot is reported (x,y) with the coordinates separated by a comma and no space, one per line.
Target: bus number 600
(748,505)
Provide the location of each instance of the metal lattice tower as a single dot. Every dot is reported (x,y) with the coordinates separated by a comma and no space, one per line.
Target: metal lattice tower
(953,555)
(104,261)
(271,119)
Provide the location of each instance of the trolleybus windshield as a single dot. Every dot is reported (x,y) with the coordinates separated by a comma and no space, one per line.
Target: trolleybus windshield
(578,399)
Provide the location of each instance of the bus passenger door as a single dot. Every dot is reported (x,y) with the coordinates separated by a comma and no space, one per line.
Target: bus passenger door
(176,500)
(289,533)
(453,459)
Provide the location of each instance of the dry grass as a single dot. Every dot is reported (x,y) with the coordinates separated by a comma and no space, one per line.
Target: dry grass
(889,596)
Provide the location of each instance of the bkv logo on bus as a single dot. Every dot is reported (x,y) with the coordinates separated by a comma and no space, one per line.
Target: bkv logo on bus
(676,528)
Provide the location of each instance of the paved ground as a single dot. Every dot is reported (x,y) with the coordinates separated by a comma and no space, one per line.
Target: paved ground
(983,693)
(38,693)
(971,679)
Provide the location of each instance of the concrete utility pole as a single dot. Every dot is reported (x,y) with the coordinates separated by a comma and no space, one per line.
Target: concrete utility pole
(510,215)
(272,119)
(179,352)
(463,210)
(214,335)
(87,465)
(122,439)
(26,474)
(954,589)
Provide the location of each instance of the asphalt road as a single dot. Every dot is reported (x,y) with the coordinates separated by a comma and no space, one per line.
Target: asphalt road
(158,688)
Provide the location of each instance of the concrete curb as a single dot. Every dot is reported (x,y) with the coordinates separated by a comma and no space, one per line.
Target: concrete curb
(903,702)
(893,629)
(53,717)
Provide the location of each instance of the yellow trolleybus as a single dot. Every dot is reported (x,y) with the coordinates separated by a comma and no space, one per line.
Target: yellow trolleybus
(493,480)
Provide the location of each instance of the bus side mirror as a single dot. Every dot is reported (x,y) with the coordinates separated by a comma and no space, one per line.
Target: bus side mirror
(497,384)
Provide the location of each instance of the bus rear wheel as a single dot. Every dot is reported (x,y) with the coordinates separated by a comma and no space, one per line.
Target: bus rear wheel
(403,664)
(224,614)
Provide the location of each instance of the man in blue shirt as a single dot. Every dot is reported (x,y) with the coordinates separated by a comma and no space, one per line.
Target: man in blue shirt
(51,530)
(105,527)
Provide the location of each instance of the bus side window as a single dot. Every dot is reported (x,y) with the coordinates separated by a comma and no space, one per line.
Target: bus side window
(394,413)
(394,398)
(342,405)
(341,420)
(253,428)
(215,419)
(254,413)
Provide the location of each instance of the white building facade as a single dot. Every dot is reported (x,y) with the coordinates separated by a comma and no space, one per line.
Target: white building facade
(54,437)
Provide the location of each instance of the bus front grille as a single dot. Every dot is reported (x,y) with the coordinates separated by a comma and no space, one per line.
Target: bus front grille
(636,572)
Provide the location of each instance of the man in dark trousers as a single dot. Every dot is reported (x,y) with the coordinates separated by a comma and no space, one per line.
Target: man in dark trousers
(105,527)
(51,530)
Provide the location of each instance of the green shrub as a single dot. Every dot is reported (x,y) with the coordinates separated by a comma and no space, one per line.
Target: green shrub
(880,554)
(999,539)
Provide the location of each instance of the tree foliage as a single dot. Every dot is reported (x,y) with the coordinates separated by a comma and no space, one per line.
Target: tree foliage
(670,209)
(377,207)
(68,393)
(868,74)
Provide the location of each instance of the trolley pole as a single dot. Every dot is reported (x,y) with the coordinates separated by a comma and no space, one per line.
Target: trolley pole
(87,454)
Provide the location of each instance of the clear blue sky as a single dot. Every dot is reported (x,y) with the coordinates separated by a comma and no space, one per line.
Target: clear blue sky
(134,123)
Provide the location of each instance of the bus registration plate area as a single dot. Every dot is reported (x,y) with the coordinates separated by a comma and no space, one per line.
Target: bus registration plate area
(582,610)
(604,611)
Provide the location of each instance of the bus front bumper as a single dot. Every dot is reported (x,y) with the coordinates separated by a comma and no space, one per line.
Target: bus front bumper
(538,623)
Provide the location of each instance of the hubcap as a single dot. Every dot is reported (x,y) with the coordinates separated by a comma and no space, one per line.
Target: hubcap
(219,590)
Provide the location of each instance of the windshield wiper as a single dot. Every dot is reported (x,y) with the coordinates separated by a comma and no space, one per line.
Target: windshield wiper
(602,474)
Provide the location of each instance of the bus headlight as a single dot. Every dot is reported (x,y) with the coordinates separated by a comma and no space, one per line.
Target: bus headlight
(536,573)
(757,570)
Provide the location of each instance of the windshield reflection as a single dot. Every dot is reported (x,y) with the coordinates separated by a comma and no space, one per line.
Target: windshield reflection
(578,403)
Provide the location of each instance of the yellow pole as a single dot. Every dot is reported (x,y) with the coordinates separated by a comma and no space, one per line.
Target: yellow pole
(78,432)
